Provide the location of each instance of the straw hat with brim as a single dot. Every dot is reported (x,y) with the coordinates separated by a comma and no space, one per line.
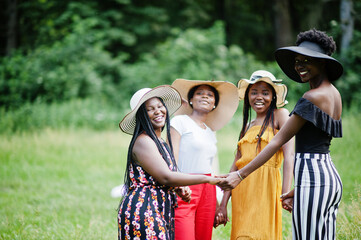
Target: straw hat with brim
(168,94)
(227,105)
(285,58)
(265,76)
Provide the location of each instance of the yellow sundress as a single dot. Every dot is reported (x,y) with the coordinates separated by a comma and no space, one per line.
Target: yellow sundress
(256,206)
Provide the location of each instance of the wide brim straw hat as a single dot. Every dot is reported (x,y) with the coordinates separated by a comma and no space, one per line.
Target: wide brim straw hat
(265,76)
(170,96)
(227,105)
(285,58)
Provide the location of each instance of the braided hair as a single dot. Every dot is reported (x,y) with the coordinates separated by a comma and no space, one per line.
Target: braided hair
(247,112)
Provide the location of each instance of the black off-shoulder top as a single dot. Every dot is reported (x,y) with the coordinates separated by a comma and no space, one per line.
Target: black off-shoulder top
(316,135)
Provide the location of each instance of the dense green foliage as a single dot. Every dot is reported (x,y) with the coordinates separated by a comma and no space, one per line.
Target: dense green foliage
(350,84)
(81,51)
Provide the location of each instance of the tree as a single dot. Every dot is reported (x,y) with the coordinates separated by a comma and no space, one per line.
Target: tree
(282,23)
(11,26)
(347,24)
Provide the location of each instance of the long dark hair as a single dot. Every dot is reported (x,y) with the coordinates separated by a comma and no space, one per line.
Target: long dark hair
(247,112)
(143,124)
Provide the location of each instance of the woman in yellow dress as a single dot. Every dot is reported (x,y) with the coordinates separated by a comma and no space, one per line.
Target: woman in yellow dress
(256,206)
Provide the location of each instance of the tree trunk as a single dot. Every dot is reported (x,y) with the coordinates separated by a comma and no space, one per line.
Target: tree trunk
(347,24)
(11,26)
(313,15)
(282,24)
(228,9)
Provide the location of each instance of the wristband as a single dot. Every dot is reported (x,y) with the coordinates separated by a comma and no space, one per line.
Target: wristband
(239,175)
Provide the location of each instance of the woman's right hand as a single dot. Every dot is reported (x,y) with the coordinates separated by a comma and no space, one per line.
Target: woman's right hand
(287,200)
(185,193)
(214,180)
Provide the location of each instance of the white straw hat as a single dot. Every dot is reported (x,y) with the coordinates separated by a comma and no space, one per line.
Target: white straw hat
(227,105)
(168,94)
(265,76)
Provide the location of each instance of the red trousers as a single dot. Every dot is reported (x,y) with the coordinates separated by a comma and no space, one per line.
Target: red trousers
(194,220)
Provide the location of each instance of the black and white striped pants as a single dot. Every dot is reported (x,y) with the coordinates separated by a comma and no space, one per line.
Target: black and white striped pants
(318,191)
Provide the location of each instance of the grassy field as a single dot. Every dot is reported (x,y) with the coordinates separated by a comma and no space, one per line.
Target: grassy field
(56,184)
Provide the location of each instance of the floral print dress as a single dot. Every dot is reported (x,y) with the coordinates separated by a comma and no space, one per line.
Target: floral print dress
(147,211)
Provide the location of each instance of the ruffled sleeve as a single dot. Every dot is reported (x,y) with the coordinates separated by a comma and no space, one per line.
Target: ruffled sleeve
(310,112)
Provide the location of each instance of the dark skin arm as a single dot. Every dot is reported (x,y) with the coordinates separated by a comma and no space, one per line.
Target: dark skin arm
(146,153)
(288,151)
(221,216)
(290,128)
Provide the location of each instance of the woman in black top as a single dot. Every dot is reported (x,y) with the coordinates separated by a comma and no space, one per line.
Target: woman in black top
(315,120)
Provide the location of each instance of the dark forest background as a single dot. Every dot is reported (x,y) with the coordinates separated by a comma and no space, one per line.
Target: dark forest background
(87,58)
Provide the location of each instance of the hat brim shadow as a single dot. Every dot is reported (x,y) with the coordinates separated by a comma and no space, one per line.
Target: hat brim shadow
(285,58)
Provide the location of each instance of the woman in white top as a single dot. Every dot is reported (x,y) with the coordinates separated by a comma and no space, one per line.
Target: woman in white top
(211,105)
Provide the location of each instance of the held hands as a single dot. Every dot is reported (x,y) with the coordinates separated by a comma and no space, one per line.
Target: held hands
(220,217)
(287,200)
(214,180)
(185,193)
(229,181)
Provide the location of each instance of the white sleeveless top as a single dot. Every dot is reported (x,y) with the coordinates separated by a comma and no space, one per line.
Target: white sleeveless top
(197,147)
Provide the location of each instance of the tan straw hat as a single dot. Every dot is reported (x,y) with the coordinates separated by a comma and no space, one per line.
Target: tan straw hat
(265,76)
(168,94)
(227,105)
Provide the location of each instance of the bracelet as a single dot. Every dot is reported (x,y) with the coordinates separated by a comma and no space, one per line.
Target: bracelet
(239,175)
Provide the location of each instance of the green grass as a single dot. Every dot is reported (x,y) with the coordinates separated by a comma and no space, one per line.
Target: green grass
(55,184)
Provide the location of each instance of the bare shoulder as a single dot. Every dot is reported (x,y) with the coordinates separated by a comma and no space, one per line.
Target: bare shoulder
(143,143)
(322,98)
(314,96)
(282,111)
(281,116)
(327,99)
(327,93)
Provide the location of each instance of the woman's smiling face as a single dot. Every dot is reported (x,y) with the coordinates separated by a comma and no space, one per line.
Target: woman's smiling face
(308,68)
(260,97)
(157,112)
(203,99)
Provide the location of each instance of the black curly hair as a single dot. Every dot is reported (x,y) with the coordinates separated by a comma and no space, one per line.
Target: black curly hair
(321,38)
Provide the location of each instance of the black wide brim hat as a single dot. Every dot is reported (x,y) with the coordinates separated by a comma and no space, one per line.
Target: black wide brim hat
(285,58)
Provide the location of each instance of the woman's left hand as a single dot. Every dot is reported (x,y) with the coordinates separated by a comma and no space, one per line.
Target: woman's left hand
(185,193)
(220,217)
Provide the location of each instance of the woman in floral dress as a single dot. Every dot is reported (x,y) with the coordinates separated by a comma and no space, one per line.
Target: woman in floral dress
(147,210)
